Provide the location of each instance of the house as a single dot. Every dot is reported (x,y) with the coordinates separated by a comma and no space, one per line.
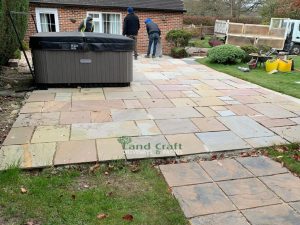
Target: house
(66,15)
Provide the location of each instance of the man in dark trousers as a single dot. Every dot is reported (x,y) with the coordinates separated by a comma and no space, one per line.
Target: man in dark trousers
(153,34)
(87,25)
(131,28)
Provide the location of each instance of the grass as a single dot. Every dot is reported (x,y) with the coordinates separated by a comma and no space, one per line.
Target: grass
(280,82)
(288,155)
(76,196)
(197,42)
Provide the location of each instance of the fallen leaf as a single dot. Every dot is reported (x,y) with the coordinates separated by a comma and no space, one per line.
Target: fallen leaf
(245,154)
(279,157)
(296,157)
(23,190)
(109,194)
(128,217)
(214,157)
(106,173)
(94,168)
(86,186)
(134,169)
(102,216)
(73,197)
(282,164)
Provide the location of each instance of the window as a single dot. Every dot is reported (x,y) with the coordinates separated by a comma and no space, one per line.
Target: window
(47,20)
(109,23)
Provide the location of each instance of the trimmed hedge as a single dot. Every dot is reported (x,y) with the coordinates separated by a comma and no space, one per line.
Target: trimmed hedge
(226,54)
(8,39)
(210,20)
(179,38)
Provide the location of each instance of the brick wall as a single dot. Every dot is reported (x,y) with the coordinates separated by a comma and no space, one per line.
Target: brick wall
(166,20)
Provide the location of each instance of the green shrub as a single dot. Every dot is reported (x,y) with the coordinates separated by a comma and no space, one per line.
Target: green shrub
(249,49)
(179,52)
(9,43)
(25,45)
(264,48)
(179,38)
(226,54)
(17,54)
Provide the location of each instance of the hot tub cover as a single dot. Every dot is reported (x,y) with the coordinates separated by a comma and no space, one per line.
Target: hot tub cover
(78,41)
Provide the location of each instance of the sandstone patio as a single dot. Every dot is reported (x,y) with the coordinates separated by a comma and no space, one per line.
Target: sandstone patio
(170,101)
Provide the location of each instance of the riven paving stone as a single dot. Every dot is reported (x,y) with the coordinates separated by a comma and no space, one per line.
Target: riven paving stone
(226,113)
(63,97)
(268,122)
(41,97)
(245,127)
(101,116)
(272,215)
(87,96)
(133,104)
(156,94)
(183,102)
(209,93)
(227,169)
(174,94)
(209,124)
(32,107)
(54,106)
(228,218)
(290,133)
(129,114)
(242,110)
(44,134)
(37,119)
(173,113)
(148,127)
(284,185)
(222,141)
(188,144)
(202,199)
(126,95)
(109,149)
(296,206)
(262,166)
(156,103)
(248,193)
(75,117)
(266,141)
(208,101)
(19,135)
(184,174)
(207,112)
(71,152)
(271,110)
(174,87)
(97,105)
(103,130)
(176,126)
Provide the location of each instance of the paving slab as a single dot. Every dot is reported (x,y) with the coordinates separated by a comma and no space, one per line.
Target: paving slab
(183,102)
(285,186)
(242,110)
(148,127)
(207,112)
(202,199)
(271,110)
(101,116)
(37,119)
(19,135)
(173,113)
(209,124)
(45,134)
(268,122)
(56,106)
(245,127)
(129,114)
(32,107)
(266,141)
(184,174)
(227,169)
(156,103)
(75,117)
(262,166)
(296,206)
(222,141)
(63,97)
(228,218)
(87,96)
(174,94)
(248,193)
(97,105)
(208,101)
(126,95)
(109,149)
(189,144)
(226,113)
(290,133)
(71,152)
(41,97)
(176,126)
(133,104)
(296,120)
(272,215)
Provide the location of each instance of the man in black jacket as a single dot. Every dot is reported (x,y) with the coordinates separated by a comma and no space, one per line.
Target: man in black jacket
(154,35)
(131,28)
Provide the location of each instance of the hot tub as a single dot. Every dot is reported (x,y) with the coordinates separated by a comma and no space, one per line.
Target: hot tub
(82,58)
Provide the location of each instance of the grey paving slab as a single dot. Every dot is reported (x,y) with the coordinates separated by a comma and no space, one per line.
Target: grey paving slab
(296,206)
(19,135)
(290,133)
(248,193)
(262,166)
(227,169)
(184,174)
(45,134)
(37,119)
(245,127)
(202,199)
(228,218)
(173,113)
(176,126)
(272,215)
(286,186)
(129,114)
(222,141)
(266,141)
(272,110)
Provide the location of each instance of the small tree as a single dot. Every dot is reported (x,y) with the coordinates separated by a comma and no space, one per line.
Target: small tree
(8,39)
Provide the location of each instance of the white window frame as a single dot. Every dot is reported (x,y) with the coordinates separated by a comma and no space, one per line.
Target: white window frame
(101,21)
(54,11)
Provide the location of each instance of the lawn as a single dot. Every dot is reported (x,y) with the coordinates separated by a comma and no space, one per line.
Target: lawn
(77,196)
(197,42)
(287,83)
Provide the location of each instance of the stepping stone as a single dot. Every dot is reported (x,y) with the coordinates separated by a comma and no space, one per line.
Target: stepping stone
(183,102)
(248,193)
(262,166)
(208,124)
(290,133)
(296,206)
(228,218)
(101,116)
(19,135)
(271,110)
(126,95)
(273,215)
(184,174)
(37,119)
(109,149)
(245,127)
(71,152)
(41,97)
(156,103)
(129,114)
(28,155)
(202,199)
(173,113)
(44,134)
(222,141)
(266,141)
(149,147)
(207,112)
(176,126)
(75,117)
(86,131)
(285,186)
(148,127)
(208,101)
(227,169)
(189,144)
(133,104)
(32,107)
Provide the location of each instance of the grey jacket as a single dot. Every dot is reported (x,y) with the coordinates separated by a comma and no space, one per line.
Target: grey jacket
(153,28)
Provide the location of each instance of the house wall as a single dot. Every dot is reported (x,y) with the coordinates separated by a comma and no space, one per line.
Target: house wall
(166,21)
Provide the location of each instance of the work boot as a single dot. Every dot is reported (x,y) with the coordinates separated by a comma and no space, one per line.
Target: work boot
(147,56)
(153,57)
(135,58)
